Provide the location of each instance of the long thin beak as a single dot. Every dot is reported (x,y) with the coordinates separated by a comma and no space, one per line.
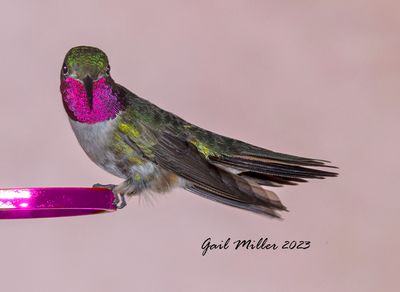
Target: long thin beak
(88,82)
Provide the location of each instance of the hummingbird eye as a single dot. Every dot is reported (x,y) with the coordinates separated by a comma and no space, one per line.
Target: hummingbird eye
(108,70)
(65,69)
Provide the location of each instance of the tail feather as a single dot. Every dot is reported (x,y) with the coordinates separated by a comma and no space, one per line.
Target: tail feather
(241,190)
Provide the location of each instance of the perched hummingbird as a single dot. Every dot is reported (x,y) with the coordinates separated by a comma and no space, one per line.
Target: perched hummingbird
(152,149)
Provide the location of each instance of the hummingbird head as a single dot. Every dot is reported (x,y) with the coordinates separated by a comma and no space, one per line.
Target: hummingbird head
(86,65)
(88,91)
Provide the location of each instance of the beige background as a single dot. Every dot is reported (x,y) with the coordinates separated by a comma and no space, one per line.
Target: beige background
(314,78)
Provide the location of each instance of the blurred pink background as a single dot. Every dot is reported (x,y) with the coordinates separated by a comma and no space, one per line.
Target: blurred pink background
(312,78)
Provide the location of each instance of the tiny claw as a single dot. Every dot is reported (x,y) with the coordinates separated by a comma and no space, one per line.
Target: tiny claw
(123,202)
(119,201)
(116,200)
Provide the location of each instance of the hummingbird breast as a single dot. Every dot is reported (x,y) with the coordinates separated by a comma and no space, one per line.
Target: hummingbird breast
(104,145)
(100,142)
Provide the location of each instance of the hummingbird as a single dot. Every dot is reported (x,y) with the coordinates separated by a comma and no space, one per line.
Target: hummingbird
(154,150)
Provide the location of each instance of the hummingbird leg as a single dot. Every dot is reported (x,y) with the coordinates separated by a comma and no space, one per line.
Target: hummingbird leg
(129,187)
(123,202)
(116,200)
(119,201)
(119,198)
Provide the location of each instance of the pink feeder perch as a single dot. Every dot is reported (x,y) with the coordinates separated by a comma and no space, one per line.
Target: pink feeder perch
(54,202)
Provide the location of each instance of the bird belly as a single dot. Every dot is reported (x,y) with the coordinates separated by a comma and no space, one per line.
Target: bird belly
(98,142)
(105,147)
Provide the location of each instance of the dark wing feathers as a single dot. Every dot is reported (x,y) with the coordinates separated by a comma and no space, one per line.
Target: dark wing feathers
(270,180)
(263,166)
(251,151)
(271,168)
(208,180)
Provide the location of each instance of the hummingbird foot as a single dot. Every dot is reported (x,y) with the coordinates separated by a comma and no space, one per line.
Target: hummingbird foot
(119,199)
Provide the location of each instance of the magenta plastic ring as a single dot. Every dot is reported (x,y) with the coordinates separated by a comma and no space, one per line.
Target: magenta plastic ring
(54,202)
